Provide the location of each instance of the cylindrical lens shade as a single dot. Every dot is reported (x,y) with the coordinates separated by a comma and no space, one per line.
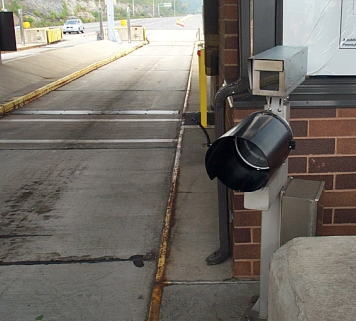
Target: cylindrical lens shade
(246,157)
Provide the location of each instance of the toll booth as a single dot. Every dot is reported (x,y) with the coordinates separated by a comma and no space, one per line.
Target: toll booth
(321,107)
(7,32)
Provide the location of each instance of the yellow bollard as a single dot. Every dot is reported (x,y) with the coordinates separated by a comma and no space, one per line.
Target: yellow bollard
(203,89)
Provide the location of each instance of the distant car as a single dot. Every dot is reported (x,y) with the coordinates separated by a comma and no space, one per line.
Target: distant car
(73,25)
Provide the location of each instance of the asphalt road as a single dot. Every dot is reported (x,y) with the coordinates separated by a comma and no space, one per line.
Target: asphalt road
(153,27)
(86,173)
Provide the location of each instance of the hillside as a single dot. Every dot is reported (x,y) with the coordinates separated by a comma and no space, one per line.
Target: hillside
(54,12)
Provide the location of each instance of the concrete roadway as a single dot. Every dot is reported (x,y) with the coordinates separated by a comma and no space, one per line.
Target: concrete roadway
(86,171)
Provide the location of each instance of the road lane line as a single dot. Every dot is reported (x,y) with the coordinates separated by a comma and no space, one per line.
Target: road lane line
(84,141)
(86,120)
(95,112)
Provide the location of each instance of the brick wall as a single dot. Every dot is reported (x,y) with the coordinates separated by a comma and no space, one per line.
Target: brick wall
(228,40)
(246,228)
(326,150)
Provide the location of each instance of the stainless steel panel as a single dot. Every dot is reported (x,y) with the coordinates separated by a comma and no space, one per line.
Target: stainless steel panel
(300,201)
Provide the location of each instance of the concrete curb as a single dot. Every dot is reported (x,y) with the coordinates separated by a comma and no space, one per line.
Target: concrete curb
(18,102)
(157,292)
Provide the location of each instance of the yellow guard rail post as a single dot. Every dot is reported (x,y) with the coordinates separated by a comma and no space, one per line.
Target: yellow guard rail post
(202,87)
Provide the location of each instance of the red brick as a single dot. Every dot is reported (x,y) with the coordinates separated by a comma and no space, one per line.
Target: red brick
(231,27)
(238,201)
(314,146)
(337,164)
(256,235)
(340,199)
(256,268)
(346,215)
(346,112)
(247,218)
(231,12)
(246,251)
(233,2)
(330,230)
(319,228)
(300,113)
(297,164)
(240,114)
(332,128)
(242,235)
(231,57)
(242,269)
(327,216)
(231,72)
(299,128)
(345,181)
(346,146)
(231,42)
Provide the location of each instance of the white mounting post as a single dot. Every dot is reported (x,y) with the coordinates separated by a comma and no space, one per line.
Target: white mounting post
(268,200)
(289,66)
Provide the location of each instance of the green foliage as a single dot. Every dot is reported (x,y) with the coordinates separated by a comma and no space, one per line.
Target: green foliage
(29,19)
(14,6)
(143,9)
(65,12)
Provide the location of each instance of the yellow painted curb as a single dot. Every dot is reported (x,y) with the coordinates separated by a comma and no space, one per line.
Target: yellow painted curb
(23,100)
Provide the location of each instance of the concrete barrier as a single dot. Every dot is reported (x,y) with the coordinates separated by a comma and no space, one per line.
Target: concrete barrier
(138,33)
(39,35)
(54,35)
(313,278)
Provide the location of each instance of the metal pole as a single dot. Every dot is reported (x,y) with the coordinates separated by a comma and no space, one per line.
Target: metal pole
(3,6)
(128,25)
(110,15)
(203,89)
(153,9)
(133,7)
(21,27)
(101,32)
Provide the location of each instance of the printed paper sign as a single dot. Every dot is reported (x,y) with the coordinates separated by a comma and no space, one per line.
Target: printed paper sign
(348,25)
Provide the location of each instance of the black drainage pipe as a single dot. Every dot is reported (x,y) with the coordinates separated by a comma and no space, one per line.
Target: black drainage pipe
(240,87)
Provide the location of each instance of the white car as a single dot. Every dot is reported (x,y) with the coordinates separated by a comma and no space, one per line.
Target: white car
(73,25)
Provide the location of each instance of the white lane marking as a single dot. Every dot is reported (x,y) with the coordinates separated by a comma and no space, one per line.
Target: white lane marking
(88,120)
(84,141)
(95,112)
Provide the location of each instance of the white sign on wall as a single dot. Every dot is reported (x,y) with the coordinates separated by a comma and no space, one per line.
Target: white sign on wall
(328,29)
(348,24)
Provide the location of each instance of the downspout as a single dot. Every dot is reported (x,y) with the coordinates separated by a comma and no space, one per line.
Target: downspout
(239,87)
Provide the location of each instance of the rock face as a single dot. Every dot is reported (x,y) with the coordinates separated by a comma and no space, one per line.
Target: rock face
(47,7)
(56,8)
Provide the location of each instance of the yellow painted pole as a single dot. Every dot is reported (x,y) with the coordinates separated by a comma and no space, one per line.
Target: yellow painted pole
(203,89)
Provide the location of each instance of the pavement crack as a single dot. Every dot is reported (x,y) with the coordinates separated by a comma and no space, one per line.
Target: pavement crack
(24,235)
(137,260)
